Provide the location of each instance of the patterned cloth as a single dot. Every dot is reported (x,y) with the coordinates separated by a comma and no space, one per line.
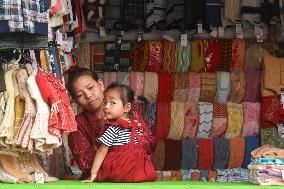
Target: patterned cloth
(212,55)
(270,112)
(237,86)
(140,55)
(177,121)
(151,86)
(156,55)
(251,143)
(97,56)
(194,86)
(198,56)
(191,119)
(238,54)
(170,56)
(208,87)
(220,120)
(226,55)
(205,153)
(223,87)
(203,175)
(254,57)
(176,176)
(111,57)
(235,120)
(125,62)
(137,83)
(237,150)
(180,87)
(221,153)
(251,125)
(184,58)
(252,86)
(150,115)
(205,119)
(189,154)
(175,14)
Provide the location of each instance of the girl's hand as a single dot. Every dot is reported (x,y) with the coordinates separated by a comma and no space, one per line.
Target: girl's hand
(92,178)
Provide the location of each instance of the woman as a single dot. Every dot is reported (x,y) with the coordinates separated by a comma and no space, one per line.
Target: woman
(87,91)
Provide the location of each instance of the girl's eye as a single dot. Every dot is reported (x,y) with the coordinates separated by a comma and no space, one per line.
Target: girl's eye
(112,102)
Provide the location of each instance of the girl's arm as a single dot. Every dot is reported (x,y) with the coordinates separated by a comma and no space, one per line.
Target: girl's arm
(99,158)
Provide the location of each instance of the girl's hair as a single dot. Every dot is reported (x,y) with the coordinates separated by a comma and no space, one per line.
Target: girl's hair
(75,74)
(126,93)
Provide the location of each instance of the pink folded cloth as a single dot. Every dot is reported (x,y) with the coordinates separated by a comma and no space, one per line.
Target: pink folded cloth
(137,83)
(194,86)
(251,119)
(220,121)
(109,77)
(191,119)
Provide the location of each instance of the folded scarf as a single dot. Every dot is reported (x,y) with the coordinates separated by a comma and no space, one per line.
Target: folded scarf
(280,128)
(163,119)
(223,87)
(235,120)
(205,119)
(165,87)
(184,58)
(254,57)
(125,60)
(83,57)
(111,57)
(212,175)
(166,175)
(159,175)
(252,86)
(221,153)
(208,87)
(251,119)
(177,121)
(173,154)
(198,60)
(195,175)
(156,54)
(237,86)
(251,143)
(140,55)
(176,176)
(137,83)
(270,111)
(205,153)
(170,56)
(158,157)
(237,150)
(123,78)
(212,55)
(109,77)
(150,115)
(194,86)
(189,154)
(238,54)
(226,55)
(185,175)
(97,56)
(203,175)
(151,86)
(180,87)
(269,136)
(220,120)
(191,119)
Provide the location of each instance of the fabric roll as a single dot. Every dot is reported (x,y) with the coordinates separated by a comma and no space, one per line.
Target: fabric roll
(165,87)
(151,86)
(235,120)
(198,61)
(252,86)
(189,154)
(226,55)
(173,154)
(212,55)
(205,153)
(166,175)
(156,54)
(269,136)
(184,58)
(208,87)
(251,143)
(123,78)
(171,50)
(163,119)
(221,153)
(205,119)
(140,54)
(177,121)
(212,175)
(272,79)
(137,83)
(195,175)
(238,54)
(237,86)
(180,87)
(270,111)
(191,119)
(109,77)
(185,175)
(223,87)
(194,86)
(220,121)
(237,150)
(97,56)
(203,175)
(158,157)
(251,125)
(254,57)
(176,176)
(150,115)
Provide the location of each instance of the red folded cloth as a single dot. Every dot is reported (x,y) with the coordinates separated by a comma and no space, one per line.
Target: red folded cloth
(163,119)
(205,153)
(165,87)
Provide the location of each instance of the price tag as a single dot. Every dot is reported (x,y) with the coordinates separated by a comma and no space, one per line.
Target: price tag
(183,40)
(102,32)
(221,31)
(239,31)
(214,32)
(199,28)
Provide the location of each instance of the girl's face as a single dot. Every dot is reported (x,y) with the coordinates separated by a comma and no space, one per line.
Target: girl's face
(113,106)
(88,93)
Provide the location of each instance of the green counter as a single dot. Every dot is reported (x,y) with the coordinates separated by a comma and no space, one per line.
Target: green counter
(149,185)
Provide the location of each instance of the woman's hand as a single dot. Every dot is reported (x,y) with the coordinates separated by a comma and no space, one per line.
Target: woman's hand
(92,178)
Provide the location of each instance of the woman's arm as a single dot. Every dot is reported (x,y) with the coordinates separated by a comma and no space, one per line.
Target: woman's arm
(99,158)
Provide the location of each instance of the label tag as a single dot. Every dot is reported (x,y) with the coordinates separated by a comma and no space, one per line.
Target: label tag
(168,37)
(102,32)
(258,33)
(214,32)
(39,178)
(199,28)
(221,31)
(239,31)
(183,40)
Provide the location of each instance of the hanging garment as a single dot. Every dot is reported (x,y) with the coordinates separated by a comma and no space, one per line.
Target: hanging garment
(97,56)
(158,157)
(163,120)
(250,11)
(226,55)
(208,87)
(189,158)
(270,12)
(212,55)
(170,56)
(175,14)
(111,57)
(213,13)
(205,119)
(235,120)
(184,58)
(191,119)
(180,87)
(43,141)
(109,77)
(254,57)
(125,62)
(205,154)
(238,54)
(151,86)
(237,150)
(165,87)
(194,86)
(252,86)
(177,121)
(251,125)
(198,54)
(156,14)
(113,14)
(137,83)
(221,153)
(156,55)
(194,13)
(220,121)
(237,86)
(140,55)
(223,87)
(94,12)
(173,153)
(123,78)
(231,12)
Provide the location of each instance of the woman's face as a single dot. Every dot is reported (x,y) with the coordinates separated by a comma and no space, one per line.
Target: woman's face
(88,93)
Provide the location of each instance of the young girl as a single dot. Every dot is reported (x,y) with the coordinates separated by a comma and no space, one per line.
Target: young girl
(121,156)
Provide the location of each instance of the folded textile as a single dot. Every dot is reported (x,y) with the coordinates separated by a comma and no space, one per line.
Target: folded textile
(251,115)
(194,86)
(165,87)
(252,86)
(191,119)
(177,120)
(205,119)
(235,120)
(137,83)
(220,120)
(205,153)
(173,153)
(151,86)
(251,143)
(158,157)
(163,120)
(221,153)
(237,150)
(189,154)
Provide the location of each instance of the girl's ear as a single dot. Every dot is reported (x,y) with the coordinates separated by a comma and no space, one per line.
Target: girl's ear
(127,107)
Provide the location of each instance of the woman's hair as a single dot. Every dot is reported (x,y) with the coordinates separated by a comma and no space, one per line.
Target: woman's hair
(75,74)
(126,93)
